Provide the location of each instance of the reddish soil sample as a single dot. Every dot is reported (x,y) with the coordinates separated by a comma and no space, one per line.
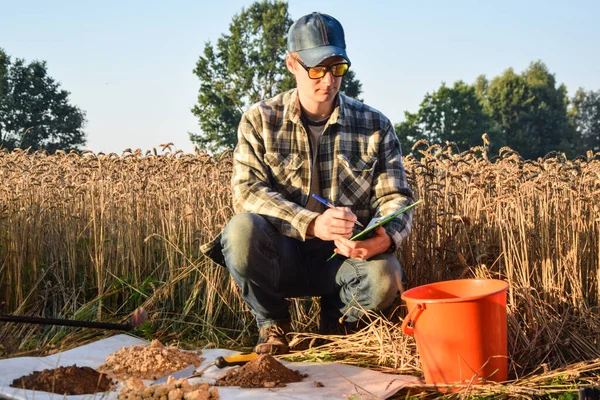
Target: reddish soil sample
(262,372)
(65,380)
(151,361)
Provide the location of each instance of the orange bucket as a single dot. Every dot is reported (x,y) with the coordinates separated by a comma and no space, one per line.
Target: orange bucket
(460,330)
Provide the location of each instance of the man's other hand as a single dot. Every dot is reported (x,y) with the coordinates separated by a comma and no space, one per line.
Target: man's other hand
(364,249)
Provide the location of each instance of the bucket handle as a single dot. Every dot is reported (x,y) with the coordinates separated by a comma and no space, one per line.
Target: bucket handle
(410,330)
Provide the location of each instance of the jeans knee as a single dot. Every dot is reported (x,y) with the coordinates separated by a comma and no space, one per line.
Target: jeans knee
(239,240)
(241,228)
(386,282)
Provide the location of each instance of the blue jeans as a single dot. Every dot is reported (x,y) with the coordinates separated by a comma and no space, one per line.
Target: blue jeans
(270,268)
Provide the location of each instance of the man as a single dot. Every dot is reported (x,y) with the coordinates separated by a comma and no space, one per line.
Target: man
(314,140)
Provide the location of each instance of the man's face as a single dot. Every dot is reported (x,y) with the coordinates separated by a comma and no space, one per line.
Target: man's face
(322,90)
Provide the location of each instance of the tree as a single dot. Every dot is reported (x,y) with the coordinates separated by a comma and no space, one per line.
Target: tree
(34,112)
(246,66)
(530,111)
(585,116)
(409,132)
(450,114)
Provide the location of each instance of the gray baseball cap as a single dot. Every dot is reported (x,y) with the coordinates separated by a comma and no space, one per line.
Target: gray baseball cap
(316,37)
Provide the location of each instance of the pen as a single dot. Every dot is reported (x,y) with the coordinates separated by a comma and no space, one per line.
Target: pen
(328,204)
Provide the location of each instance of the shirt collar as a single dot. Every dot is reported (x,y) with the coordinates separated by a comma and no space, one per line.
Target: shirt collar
(293,111)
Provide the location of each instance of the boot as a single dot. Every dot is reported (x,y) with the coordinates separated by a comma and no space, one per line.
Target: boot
(272,340)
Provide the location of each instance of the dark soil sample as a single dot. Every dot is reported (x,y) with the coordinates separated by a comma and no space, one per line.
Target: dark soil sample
(65,380)
(262,372)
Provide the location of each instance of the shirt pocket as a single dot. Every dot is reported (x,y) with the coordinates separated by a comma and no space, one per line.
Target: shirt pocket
(286,174)
(355,179)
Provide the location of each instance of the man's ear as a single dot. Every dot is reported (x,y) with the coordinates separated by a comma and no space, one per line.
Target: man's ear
(290,63)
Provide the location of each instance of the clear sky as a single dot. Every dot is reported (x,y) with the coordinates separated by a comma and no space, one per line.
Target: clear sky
(128,64)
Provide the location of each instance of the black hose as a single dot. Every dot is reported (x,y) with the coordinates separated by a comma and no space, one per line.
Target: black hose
(65,322)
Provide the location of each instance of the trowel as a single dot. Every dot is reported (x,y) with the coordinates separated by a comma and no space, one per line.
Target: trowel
(220,362)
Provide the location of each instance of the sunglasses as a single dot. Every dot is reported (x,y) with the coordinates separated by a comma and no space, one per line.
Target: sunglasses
(337,70)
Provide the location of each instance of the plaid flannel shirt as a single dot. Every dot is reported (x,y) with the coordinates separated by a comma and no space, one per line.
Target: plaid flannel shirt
(359,158)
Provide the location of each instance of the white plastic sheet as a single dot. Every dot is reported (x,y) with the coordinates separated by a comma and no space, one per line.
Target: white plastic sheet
(340,381)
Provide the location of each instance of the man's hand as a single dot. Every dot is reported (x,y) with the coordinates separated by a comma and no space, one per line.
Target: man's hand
(334,223)
(364,249)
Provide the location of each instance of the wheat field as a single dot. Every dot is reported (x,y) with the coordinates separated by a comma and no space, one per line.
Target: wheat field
(93,236)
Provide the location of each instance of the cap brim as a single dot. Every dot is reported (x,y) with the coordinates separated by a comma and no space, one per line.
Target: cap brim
(313,57)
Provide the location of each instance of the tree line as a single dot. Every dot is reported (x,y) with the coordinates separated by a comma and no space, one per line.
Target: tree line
(528,111)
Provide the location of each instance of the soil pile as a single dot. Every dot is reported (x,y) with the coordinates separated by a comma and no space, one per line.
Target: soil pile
(262,372)
(173,389)
(65,380)
(151,361)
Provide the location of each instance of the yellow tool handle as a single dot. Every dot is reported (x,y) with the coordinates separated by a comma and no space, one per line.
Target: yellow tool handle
(238,359)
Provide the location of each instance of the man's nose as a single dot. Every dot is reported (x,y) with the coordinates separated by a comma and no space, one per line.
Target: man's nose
(328,77)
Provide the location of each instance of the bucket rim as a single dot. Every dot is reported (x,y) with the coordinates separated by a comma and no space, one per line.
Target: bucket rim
(406,295)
